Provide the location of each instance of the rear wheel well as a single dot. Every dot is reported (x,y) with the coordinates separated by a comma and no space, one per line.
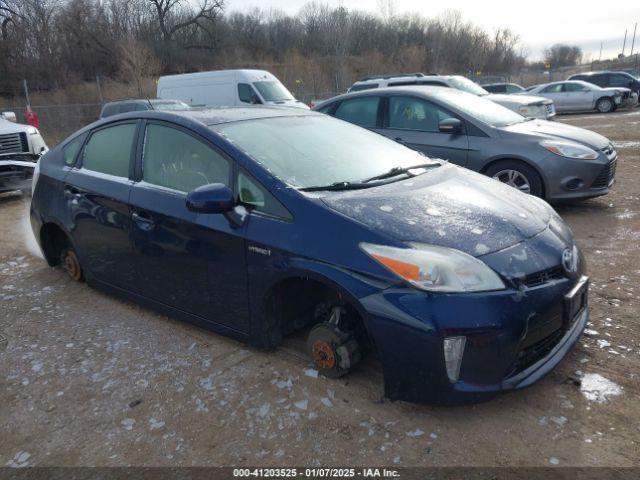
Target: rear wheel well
(299,302)
(53,240)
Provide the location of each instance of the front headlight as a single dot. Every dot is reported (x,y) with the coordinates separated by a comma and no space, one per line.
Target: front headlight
(32,130)
(569,149)
(436,269)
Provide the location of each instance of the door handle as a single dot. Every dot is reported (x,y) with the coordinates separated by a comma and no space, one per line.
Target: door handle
(142,217)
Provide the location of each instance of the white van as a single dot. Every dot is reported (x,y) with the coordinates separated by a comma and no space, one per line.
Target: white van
(226,88)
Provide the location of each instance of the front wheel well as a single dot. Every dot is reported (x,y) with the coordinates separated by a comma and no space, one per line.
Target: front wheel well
(53,240)
(496,161)
(299,302)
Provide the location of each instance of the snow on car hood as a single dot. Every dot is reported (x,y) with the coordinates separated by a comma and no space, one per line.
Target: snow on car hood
(557,130)
(517,99)
(9,127)
(448,206)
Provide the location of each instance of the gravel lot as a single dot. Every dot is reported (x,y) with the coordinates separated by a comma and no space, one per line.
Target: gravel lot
(86,379)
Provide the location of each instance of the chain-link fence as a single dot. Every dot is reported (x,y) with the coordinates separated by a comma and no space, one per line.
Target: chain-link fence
(58,121)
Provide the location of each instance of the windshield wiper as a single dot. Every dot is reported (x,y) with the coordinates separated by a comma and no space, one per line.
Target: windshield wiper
(395,171)
(336,187)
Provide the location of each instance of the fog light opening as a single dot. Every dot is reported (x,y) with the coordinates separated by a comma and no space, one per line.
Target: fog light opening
(574,184)
(453,351)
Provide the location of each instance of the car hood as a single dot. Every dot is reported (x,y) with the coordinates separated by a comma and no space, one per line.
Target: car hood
(448,206)
(9,127)
(546,130)
(517,99)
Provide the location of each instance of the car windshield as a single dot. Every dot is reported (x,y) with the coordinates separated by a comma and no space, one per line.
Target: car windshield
(170,105)
(480,108)
(317,150)
(466,85)
(273,91)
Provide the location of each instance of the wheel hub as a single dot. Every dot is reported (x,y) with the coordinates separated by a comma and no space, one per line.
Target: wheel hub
(323,355)
(72,265)
(515,179)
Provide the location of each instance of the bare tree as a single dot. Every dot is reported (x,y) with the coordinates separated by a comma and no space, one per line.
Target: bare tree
(562,55)
(137,63)
(175,15)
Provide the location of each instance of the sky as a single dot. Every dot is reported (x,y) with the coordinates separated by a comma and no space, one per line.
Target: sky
(539,23)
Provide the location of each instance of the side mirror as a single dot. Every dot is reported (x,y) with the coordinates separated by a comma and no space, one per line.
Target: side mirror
(213,198)
(450,125)
(11,116)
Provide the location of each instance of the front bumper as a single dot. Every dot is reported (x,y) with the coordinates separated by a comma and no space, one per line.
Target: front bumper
(569,179)
(16,174)
(513,337)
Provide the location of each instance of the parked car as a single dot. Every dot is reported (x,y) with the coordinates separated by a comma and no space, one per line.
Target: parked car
(123,106)
(20,148)
(227,88)
(608,79)
(528,106)
(256,222)
(547,159)
(579,96)
(508,88)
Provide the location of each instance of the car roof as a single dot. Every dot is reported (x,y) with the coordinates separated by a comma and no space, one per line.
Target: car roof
(427,91)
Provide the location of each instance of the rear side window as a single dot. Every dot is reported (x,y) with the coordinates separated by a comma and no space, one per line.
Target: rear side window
(619,80)
(557,88)
(70,152)
(109,150)
(573,87)
(361,111)
(177,160)
(108,110)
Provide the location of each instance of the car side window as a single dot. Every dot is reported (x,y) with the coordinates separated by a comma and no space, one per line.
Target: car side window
(557,88)
(175,159)
(254,195)
(618,80)
(409,113)
(70,151)
(326,108)
(512,89)
(573,87)
(109,150)
(362,111)
(246,94)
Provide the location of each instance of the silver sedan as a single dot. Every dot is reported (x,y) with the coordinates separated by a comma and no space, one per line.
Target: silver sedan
(579,96)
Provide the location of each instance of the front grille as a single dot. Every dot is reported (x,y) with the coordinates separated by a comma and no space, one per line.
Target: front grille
(625,95)
(550,109)
(544,276)
(537,351)
(606,175)
(14,143)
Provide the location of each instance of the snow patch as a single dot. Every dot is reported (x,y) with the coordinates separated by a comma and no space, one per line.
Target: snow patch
(598,389)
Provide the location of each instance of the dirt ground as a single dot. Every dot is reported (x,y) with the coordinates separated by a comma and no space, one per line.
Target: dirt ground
(86,379)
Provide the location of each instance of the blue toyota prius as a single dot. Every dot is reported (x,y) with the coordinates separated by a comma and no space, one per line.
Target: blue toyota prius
(257,222)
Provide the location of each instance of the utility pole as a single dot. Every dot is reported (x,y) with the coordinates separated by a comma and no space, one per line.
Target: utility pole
(26,92)
(600,57)
(624,44)
(633,42)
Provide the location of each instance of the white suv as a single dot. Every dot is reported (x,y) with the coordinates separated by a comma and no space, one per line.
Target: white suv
(525,105)
(20,148)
